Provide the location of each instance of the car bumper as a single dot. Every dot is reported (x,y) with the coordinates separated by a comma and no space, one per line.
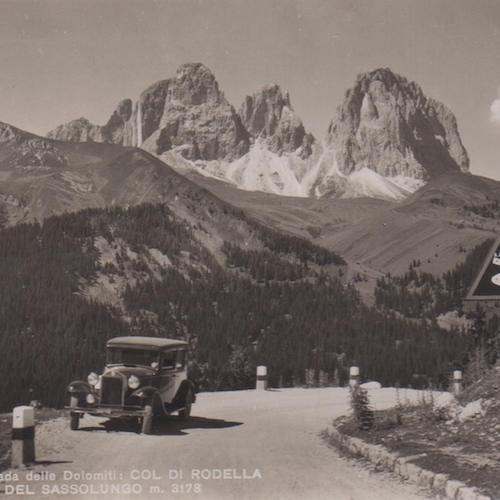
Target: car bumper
(100,411)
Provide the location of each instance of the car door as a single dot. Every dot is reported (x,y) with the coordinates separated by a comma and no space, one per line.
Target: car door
(174,367)
(180,368)
(167,375)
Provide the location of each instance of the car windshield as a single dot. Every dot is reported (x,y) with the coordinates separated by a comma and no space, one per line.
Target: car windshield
(143,357)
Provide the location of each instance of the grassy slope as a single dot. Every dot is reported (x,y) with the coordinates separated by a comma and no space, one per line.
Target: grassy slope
(375,236)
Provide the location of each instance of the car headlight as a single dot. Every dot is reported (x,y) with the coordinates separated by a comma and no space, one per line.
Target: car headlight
(93,378)
(133,382)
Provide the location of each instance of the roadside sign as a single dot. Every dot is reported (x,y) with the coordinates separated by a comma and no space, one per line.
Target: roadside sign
(486,286)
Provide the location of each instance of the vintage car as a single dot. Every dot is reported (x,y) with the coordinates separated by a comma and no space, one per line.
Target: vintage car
(144,377)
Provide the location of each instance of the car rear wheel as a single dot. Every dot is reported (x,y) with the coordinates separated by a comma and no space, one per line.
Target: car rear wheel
(147,420)
(185,413)
(74,421)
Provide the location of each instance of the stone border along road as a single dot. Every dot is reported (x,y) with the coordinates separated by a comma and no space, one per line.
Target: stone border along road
(382,457)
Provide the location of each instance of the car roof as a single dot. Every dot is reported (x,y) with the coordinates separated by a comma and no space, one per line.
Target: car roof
(145,342)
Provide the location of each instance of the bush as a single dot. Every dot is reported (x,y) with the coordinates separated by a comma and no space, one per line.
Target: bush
(363,412)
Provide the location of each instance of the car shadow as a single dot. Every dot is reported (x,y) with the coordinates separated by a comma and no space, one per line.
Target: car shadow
(164,426)
(51,462)
(175,427)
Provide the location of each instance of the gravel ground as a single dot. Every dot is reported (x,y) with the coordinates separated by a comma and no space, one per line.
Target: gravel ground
(267,445)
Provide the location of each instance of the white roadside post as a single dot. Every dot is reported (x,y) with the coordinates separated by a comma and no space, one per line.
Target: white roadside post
(261,384)
(457,382)
(353,376)
(23,436)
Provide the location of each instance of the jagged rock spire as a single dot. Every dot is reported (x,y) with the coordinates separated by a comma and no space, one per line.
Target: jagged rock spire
(387,124)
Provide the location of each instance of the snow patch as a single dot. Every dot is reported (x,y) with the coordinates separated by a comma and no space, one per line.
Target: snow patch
(290,175)
(451,319)
(367,182)
(447,406)
(371,385)
(444,400)
(409,184)
(472,410)
(263,170)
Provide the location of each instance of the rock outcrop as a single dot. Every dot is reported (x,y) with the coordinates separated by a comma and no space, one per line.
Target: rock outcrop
(120,128)
(268,115)
(152,107)
(24,150)
(197,119)
(79,130)
(188,113)
(386,141)
(388,125)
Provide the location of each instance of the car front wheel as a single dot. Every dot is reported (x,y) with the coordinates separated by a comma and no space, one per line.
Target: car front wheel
(185,413)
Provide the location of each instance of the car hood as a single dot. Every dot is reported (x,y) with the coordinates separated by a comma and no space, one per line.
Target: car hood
(138,371)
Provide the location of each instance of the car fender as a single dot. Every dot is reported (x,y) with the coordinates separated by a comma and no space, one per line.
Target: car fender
(80,387)
(182,391)
(146,392)
(78,390)
(150,395)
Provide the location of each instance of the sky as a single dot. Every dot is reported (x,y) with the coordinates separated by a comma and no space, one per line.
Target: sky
(63,59)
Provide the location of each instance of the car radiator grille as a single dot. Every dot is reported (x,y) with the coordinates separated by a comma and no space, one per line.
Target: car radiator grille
(112,391)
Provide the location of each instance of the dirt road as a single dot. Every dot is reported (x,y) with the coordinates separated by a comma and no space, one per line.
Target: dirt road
(238,445)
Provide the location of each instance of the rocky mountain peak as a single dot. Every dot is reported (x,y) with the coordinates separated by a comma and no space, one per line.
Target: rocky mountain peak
(386,140)
(387,124)
(195,84)
(123,111)
(268,115)
(196,118)
(261,112)
(152,103)
(25,150)
(79,130)
(387,77)
(188,113)
(121,128)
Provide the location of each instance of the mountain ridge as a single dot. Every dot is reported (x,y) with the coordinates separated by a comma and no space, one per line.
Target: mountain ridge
(100,174)
(386,140)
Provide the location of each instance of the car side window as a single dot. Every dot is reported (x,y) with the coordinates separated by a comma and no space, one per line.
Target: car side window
(168,361)
(181,358)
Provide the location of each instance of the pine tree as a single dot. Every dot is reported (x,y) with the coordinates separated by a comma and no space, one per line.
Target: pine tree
(4,218)
(362,411)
